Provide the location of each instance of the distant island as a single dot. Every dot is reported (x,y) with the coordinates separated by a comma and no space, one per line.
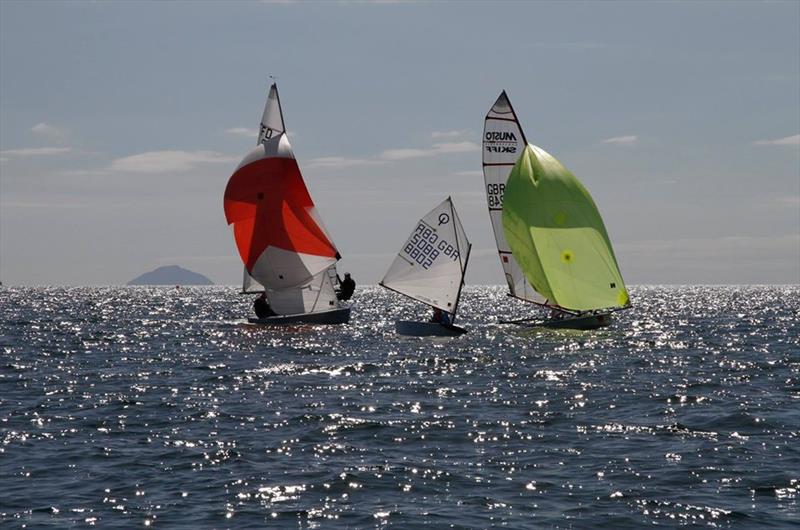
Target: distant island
(171,275)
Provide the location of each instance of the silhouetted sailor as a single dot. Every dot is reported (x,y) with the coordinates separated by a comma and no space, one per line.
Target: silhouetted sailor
(262,308)
(346,287)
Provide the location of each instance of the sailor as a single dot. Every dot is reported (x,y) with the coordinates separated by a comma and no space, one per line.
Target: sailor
(346,287)
(440,317)
(262,308)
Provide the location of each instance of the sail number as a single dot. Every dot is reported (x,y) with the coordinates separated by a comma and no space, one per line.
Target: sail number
(494,193)
(424,247)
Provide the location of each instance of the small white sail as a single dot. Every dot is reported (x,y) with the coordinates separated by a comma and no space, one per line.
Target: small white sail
(250,284)
(272,119)
(314,296)
(503,143)
(430,265)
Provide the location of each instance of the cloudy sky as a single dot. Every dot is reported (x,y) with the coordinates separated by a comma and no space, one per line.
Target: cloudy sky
(120,124)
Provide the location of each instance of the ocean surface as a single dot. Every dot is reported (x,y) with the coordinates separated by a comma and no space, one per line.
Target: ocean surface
(159,407)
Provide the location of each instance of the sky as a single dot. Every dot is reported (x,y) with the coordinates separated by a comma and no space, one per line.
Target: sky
(121,122)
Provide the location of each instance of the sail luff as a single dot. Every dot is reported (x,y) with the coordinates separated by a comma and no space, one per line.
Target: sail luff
(280,107)
(461,285)
(456,225)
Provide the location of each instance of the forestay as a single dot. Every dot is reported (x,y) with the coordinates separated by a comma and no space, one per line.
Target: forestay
(503,141)
(280,237)
(557,235)
(431,263)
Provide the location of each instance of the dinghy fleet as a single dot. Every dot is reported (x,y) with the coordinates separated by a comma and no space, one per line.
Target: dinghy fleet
(551,240)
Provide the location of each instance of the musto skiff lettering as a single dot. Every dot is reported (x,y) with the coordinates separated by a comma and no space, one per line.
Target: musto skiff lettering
(425,246)
(494,193)
(500,142)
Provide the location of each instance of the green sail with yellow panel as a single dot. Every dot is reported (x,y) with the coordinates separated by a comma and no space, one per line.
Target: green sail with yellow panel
(558,237)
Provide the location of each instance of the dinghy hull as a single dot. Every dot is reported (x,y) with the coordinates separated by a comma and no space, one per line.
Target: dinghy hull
(335,316)
(427,329)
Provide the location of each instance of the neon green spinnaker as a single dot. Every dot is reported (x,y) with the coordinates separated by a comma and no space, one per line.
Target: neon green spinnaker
(558,237)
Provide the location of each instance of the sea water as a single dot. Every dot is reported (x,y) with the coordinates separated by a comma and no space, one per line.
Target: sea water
(161,407)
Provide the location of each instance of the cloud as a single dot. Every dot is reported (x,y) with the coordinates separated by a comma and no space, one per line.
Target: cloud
(394,155)
(786,140)
(448,134)
(36,151)
(622,140)
(788,200)
(168,161)
(243,131)
(48,131)
(435,150)
(340,161)
(576,45)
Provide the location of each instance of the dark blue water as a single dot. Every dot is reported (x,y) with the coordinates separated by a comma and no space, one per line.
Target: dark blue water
(130,407)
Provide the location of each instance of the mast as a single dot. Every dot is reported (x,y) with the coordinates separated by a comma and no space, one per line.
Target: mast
(464,266)
(280,108)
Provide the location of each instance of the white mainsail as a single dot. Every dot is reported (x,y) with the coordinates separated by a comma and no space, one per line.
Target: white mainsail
(503,143)
(315,295)
(272,118)
(431,264)
(250,285)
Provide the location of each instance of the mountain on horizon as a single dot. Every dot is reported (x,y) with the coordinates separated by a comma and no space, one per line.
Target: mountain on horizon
(171,275)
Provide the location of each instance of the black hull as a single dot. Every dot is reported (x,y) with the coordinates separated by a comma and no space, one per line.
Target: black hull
(335,316)
(427,329)
(581,323)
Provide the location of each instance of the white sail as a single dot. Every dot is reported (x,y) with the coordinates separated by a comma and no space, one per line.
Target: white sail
(250,284)
(430,265)
(503,143)
(272,119)
(314,296)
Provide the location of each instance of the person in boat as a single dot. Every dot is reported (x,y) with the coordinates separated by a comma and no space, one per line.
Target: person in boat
(262,308)
(346,287)
(440,317)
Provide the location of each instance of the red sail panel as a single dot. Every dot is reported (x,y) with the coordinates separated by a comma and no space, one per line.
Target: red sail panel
(268,204)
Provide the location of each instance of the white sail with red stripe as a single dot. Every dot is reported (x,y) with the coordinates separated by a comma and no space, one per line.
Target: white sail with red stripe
(503,142)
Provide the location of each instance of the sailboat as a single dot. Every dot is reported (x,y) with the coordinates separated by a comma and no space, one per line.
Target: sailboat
(430,268)
(283,244)
(550,230)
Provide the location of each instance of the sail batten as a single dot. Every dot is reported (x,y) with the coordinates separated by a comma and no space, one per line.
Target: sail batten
(503,141)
